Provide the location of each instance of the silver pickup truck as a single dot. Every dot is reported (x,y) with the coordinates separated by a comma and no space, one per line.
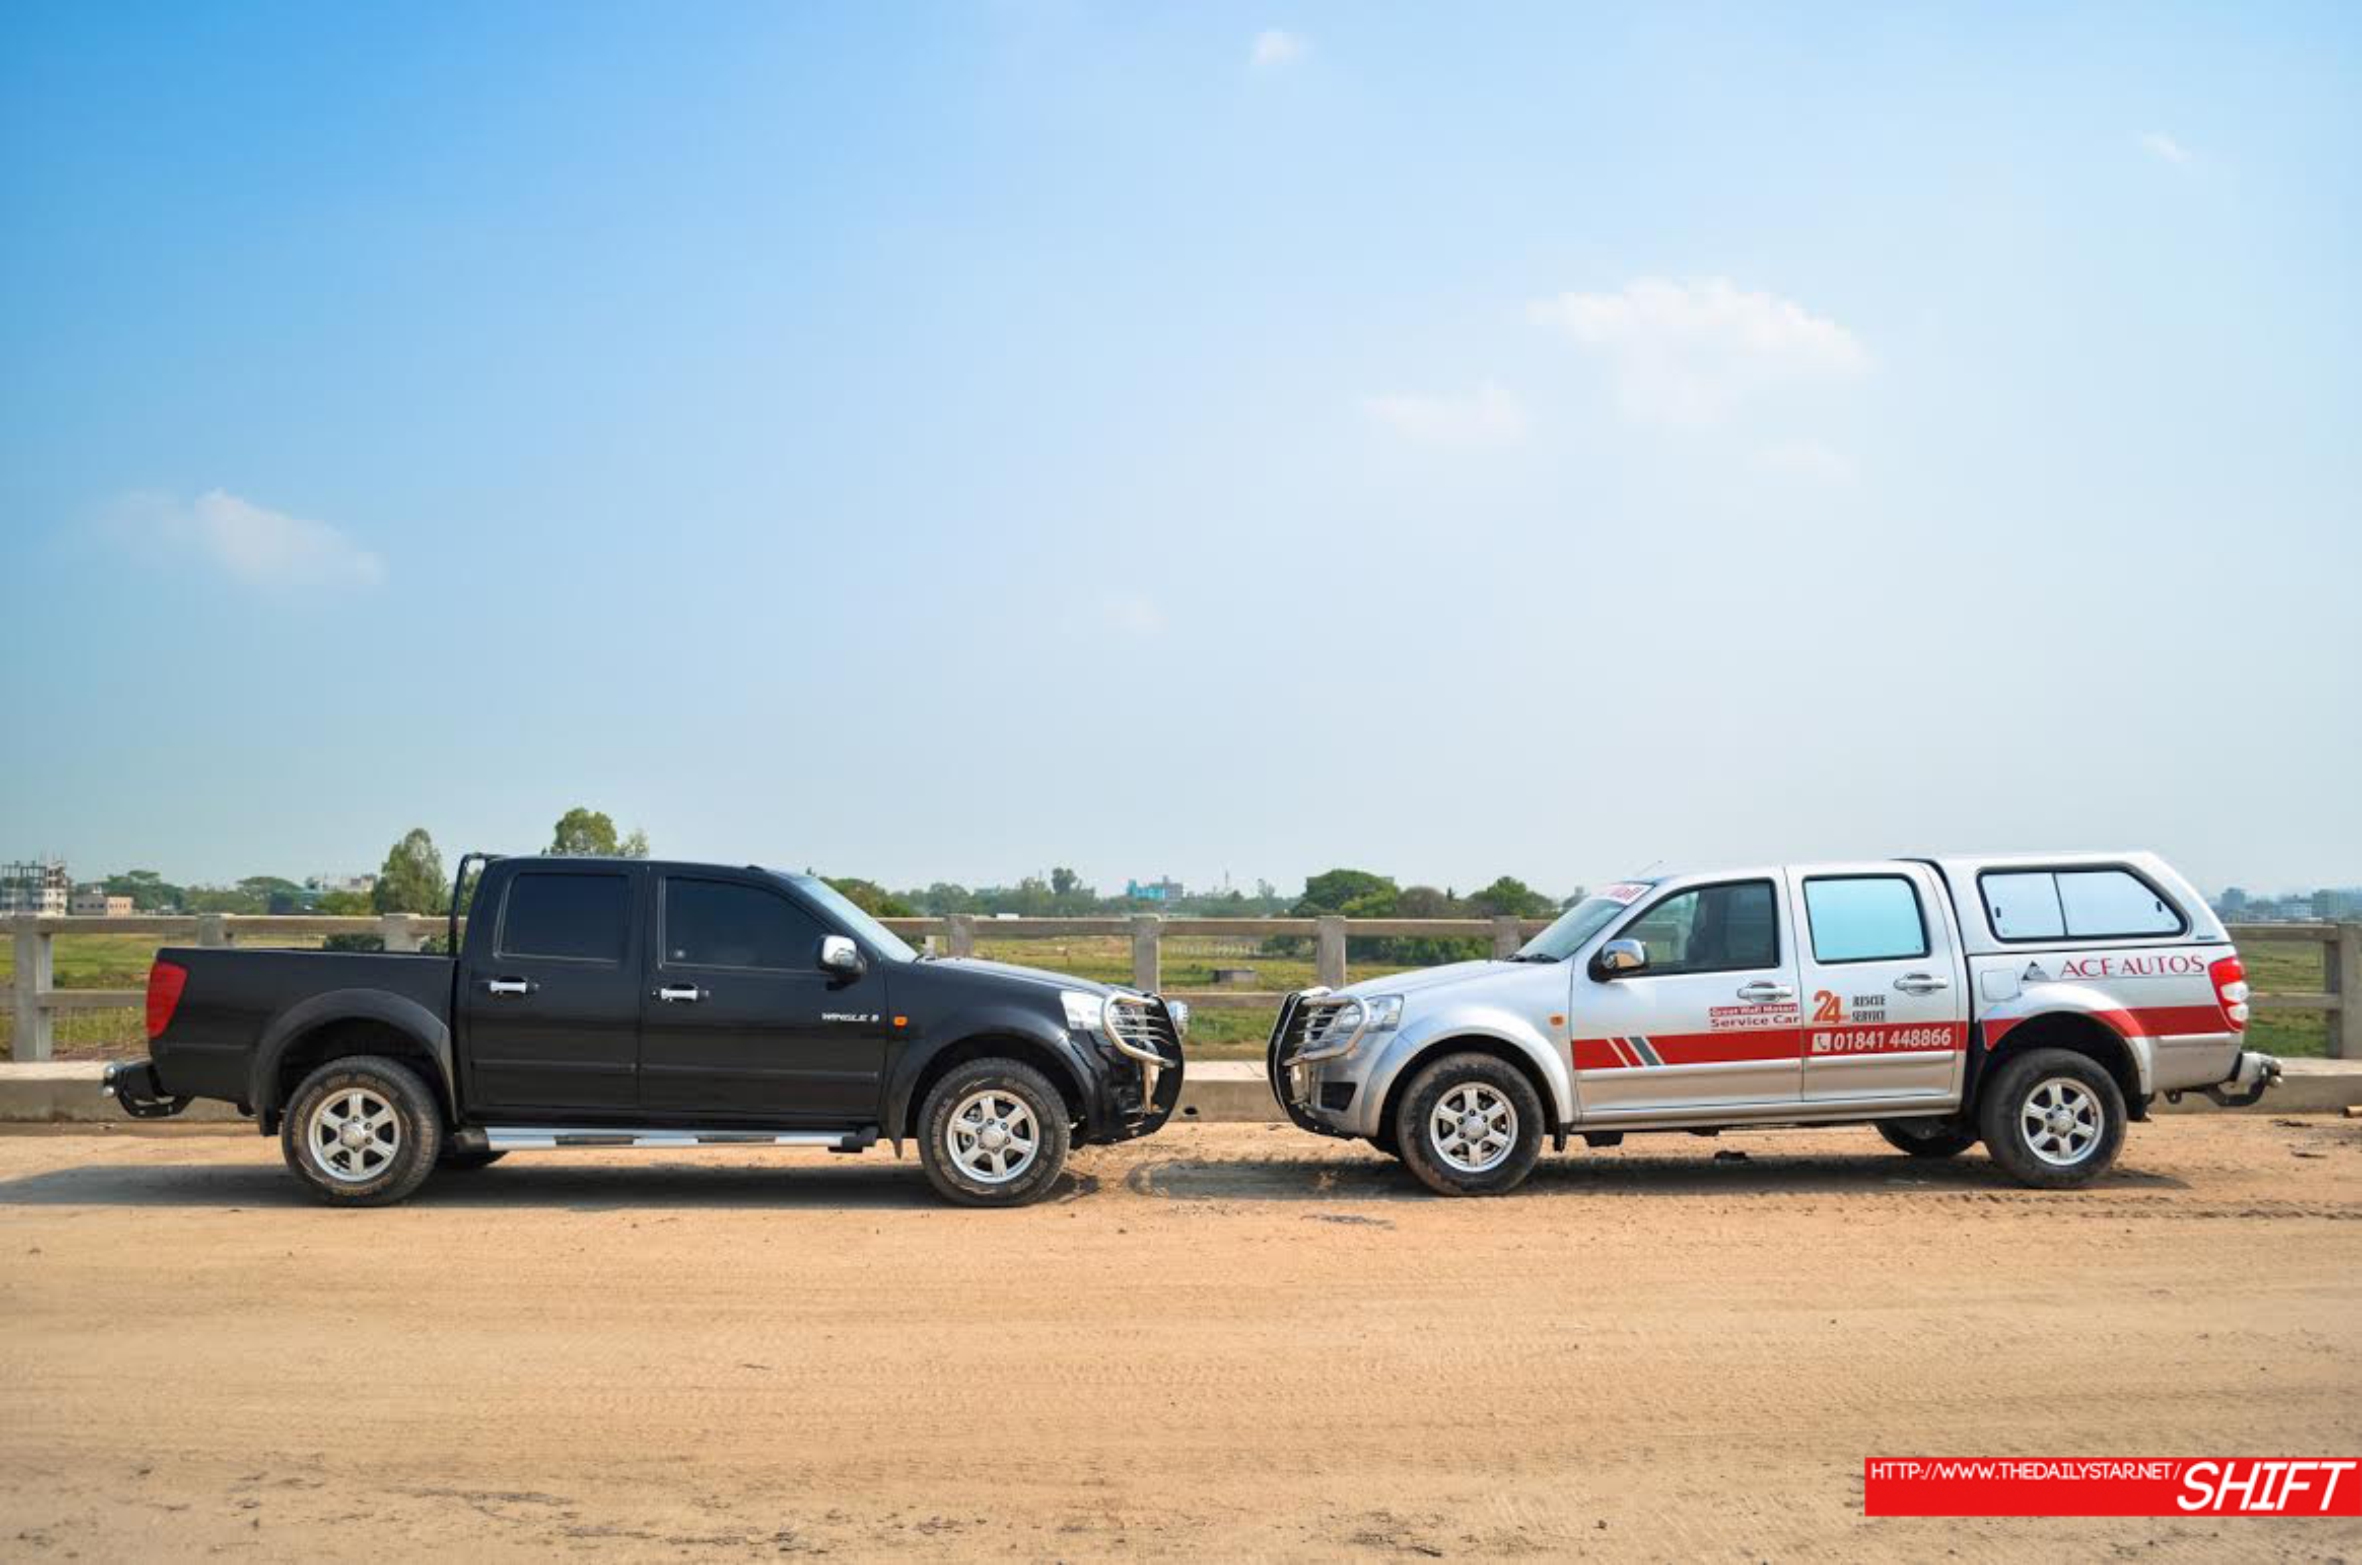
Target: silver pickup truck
(2035,1004)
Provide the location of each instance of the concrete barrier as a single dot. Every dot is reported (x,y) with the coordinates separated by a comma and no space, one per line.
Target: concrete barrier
(1216,1092)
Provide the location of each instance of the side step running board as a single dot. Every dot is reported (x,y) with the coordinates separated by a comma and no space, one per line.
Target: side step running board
(532,1138)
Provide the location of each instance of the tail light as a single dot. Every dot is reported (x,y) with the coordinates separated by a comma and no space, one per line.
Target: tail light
(165,982)
(2230,989)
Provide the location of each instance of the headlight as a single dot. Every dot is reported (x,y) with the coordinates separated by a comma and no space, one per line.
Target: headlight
(1084,1012)
(1385,1011)
(1178,1010)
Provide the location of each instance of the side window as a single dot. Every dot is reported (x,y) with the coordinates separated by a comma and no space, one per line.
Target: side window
(2077,904)
(719,923)
(1711,929)
(1865,918)
(2024,907)
(2114,902)
(579,918)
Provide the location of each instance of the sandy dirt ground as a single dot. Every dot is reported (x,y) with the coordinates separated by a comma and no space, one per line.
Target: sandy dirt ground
(1229,1342)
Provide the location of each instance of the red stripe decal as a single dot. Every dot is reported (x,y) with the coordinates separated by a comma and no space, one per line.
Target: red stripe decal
(2145,1021)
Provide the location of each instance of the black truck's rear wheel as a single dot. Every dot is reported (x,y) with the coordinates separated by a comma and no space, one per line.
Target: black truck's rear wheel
(363,1131)
(993,1133)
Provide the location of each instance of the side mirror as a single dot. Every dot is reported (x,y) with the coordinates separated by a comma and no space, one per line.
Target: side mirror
(841,956)
(1619,957)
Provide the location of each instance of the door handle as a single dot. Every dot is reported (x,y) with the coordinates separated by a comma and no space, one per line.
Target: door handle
(685,996)
(1764,992)
(510,986)
(1921,983)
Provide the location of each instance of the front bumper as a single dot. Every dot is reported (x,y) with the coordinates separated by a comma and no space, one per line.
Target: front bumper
(1140,1075)
(1299,1084)
(2250,1075)
(133,1084)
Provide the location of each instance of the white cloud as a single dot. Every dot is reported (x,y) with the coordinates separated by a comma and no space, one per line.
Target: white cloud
(1132,614)
(251,543)
(1274,48)
(1808,460)
(1685,353)
(2159,145)
(1489,417)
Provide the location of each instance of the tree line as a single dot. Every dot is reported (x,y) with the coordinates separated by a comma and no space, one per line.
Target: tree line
(414,879)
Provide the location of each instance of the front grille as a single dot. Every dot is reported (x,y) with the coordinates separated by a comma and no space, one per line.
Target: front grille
(1316,1024)
(1144,1023)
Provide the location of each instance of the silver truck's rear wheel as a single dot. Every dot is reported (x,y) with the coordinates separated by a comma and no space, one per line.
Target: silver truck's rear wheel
(363,1131)
(1470,1124)
(993,1133)
(2053,1119)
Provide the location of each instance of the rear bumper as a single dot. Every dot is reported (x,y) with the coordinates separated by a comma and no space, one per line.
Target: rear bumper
(133,1085)
(2250,1075)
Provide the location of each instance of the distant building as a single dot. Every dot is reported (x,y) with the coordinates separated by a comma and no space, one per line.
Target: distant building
(39,886)
(1165,890)
(358,885)
(95,902)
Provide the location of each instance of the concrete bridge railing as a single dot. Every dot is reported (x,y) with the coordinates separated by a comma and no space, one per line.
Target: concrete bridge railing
(34,1000)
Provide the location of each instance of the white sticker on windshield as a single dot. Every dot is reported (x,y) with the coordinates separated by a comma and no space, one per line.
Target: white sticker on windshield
(1625,892)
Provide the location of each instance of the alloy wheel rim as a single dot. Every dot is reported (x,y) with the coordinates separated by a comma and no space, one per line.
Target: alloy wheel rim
(1473,1128)
(992,1137)
(2062,1121)
(354,1135)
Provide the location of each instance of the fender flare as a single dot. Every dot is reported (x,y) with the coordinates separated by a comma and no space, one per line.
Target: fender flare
(983,1022)
(349,1005)
(2077,1000)
(1492,1025)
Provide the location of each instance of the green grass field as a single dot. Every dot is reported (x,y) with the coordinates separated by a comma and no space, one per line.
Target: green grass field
(121,962)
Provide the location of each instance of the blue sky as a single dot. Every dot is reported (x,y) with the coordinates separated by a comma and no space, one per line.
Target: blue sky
(942,442)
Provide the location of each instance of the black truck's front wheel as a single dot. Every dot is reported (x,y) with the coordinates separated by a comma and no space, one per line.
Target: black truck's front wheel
(993,1133)
(363,1131)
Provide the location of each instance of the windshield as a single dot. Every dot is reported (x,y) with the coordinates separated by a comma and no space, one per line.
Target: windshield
(884,941)
(1579,923)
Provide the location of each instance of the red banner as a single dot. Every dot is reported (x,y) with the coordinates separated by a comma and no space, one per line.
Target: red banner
(2112,1486)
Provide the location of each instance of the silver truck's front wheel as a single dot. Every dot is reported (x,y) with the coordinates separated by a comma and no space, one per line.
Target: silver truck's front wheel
(1470,1124)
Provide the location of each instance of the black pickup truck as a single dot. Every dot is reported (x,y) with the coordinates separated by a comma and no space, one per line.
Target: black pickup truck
(623,1002)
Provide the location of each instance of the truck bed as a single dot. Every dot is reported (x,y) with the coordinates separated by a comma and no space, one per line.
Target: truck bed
(233,1003)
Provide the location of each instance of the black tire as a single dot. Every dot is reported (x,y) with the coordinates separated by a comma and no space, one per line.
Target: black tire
(459,1160)
(2014,1109)
(1384,1142)
(1489,1081)
(960,1177)
(396,1146)
(1928,1138)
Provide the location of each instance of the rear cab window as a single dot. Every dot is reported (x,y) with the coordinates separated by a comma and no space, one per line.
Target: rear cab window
(2099,903)
(1864,918)
(566,917)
